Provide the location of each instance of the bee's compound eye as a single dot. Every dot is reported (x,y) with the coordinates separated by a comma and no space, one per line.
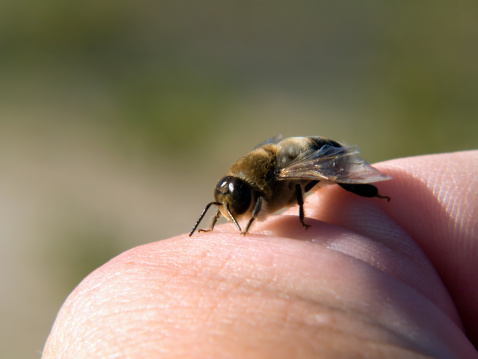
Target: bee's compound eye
(236,192)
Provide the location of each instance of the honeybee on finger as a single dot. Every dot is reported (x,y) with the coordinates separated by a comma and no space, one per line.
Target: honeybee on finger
(278,172)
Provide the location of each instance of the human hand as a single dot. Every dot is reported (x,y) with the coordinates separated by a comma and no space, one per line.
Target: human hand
(369,278)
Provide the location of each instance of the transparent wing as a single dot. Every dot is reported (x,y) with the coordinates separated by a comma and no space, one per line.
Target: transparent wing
(337,164)
(271,140)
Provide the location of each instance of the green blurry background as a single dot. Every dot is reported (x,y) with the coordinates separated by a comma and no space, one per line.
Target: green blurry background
(118,117)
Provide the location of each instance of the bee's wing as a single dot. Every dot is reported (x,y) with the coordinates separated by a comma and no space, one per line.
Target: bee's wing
(336,164)
(271,140)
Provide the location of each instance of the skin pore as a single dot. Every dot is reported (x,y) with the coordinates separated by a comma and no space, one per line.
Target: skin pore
(370,278)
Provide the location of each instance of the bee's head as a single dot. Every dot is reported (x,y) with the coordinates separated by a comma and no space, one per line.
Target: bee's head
(234,193)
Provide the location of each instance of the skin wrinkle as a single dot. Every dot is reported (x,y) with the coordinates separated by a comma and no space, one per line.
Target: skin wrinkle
(332,304)
(172,297)
(239,280)
(248,283)
(457,321)
(455,209)
(335,297)
(337,326)
(422,260)
(216,275)
(225,295)
(289,304)
(290,320)
(358,246)
(446,199)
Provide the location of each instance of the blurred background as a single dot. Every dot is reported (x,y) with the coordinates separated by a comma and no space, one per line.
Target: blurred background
(118,117)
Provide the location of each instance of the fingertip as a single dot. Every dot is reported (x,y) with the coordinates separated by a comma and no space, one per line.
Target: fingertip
(437,204)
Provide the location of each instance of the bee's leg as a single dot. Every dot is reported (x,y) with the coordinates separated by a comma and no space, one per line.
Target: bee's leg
(232,217)
(310,185)
(364,190)
(213,223)
(300,202)
(255,213)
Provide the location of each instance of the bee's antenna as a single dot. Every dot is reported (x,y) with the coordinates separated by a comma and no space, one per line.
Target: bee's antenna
(202,216)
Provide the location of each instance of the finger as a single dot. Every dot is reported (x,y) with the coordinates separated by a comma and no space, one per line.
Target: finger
(438,207)
(222,294)
(435,206)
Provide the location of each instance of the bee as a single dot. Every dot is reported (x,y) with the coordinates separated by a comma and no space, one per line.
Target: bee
(278,172)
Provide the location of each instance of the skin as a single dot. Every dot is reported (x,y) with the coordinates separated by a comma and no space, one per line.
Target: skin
(370,278)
